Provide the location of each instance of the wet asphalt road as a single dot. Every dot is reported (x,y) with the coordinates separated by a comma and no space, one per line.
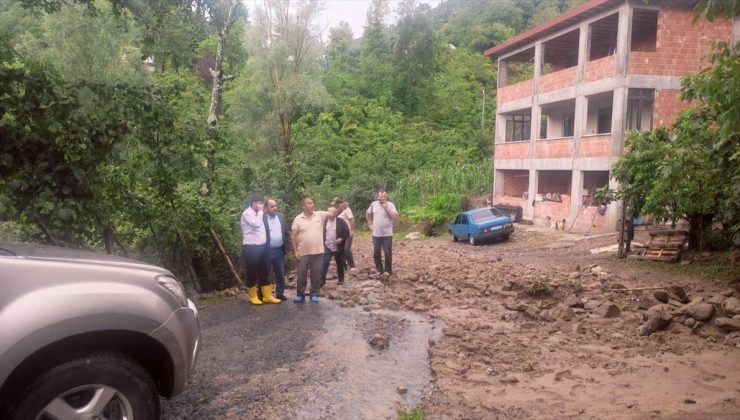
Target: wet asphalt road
(304,361)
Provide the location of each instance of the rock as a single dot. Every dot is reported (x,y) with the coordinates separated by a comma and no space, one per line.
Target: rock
(499,258)
(657,318)
(646,302)
(597,270)
(679,293)
(413,236)
(727,293)
(728,324)
(661,296)
(402,389)
(731,306)
(574,276)
(591,305)
(510,379)
(573,302)
(674,302)
(608,310)
(510,304)
(565,313)
(689,322)
(379,341)
(532,313)
(698,309)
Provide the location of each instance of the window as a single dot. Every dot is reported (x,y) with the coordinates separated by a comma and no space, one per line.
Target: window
(518,127)
(604,124)
(543,127)
(485,215)
(568,125)
(640,109)
(644,30)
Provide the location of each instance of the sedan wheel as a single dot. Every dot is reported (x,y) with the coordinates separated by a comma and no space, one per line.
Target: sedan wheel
(454,238)
(472,240)
(102,386)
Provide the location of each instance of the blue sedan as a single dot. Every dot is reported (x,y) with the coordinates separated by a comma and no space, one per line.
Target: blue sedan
(479,224)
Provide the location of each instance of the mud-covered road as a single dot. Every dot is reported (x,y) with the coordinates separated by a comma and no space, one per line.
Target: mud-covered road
(535,327)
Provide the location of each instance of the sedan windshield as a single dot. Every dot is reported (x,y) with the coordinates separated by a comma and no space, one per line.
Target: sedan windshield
(485,215)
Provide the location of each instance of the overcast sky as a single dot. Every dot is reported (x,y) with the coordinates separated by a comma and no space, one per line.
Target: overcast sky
(353,12)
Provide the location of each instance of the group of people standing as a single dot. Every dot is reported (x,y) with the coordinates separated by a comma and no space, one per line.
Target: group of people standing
(315,238)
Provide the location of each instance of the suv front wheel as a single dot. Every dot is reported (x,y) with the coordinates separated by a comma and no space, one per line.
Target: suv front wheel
(100,386)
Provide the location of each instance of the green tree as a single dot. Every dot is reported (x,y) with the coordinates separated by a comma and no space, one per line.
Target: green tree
(283,73)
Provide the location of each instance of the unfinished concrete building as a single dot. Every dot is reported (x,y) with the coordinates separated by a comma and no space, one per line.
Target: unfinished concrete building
(570,88)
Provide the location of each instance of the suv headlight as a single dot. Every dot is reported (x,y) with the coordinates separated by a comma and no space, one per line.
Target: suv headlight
(173,286)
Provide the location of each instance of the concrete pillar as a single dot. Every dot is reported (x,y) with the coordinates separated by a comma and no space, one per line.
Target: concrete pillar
(580,119)
(498,183)
(532,191)
(614,211)
(624,39)
(584,46)
(503,73)
(576,178)
(619,113)
(536,111)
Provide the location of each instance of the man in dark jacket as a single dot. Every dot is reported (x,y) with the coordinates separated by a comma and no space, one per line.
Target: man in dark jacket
(336,233)
(278,244)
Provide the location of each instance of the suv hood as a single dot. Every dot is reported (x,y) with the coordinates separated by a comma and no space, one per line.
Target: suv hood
(53,253)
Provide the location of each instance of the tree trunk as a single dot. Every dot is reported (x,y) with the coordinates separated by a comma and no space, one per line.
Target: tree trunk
(194,276)
(218,72)
(698,223)
(225,255)
(48,236)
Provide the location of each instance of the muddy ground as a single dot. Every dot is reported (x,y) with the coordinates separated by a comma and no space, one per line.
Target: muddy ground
(534,327)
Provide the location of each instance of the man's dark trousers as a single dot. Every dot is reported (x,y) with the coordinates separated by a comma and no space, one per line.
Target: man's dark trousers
(386,242)
(338,258)
(276,260)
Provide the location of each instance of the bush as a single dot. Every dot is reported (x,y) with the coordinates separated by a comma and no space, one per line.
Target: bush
(440,209)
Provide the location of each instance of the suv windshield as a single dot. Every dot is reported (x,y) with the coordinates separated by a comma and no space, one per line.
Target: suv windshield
(486,214)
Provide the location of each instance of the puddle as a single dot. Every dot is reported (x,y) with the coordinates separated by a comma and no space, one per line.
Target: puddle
(364,380)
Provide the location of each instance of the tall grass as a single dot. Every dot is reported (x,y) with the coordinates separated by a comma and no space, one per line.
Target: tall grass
(463,180)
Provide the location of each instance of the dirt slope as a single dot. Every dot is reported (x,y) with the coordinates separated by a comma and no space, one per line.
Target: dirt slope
(535,329)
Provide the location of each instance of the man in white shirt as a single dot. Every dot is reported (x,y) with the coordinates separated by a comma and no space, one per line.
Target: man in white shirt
(254,251)
(380,218)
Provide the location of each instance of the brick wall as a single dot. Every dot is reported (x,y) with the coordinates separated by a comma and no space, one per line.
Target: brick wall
(518,150)
(552,209)
(682,47)
(596,146)
(515,91)
(585,217)
(667,107)
(554,148)
(601,68)
(511,201)
(515,182)
(558,80)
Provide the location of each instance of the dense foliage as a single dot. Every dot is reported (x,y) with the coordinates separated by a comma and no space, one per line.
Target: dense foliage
(109,141)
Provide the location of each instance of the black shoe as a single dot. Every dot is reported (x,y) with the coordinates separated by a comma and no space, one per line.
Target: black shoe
(281,297)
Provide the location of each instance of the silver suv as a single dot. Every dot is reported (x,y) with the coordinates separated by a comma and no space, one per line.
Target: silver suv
(85,335)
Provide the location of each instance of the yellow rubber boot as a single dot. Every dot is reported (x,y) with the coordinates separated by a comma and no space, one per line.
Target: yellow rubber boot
(267,296)
(253,299)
